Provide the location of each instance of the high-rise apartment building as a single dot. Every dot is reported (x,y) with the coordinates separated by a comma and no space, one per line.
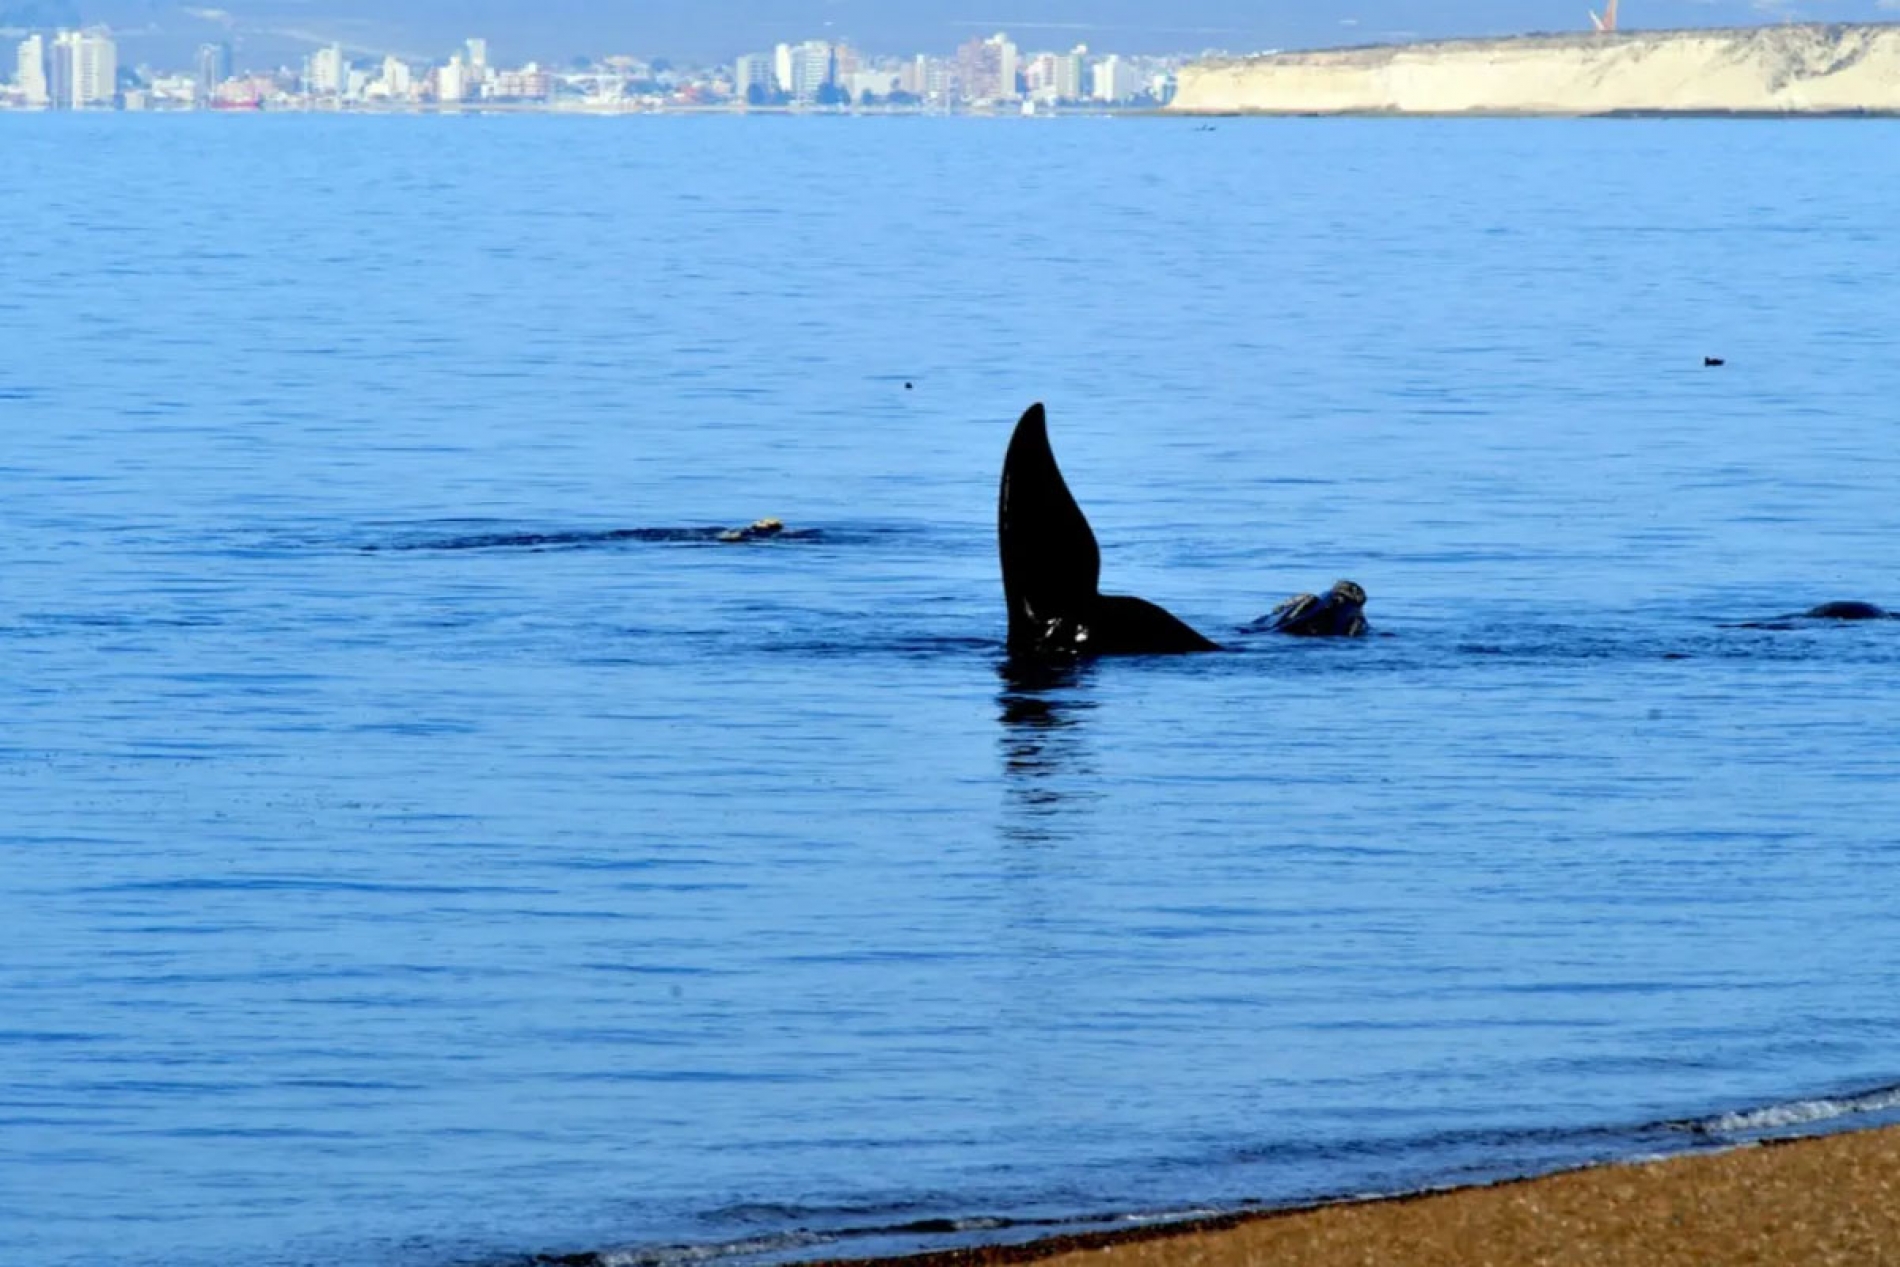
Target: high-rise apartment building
(530,83)
(935,78)
(1116,80)
(1072,74)
(754,70)
(85,70)
(478,75)
(1039,75)
(977,72)
(451,81)
(214,67)
(812,69)
(782,67)
(30,70)
(325,72)
(59,72)
(986,69)
(398,81)
(1007,59)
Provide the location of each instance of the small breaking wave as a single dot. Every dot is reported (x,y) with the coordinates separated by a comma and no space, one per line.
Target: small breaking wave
(1773,1118)
(895,1237)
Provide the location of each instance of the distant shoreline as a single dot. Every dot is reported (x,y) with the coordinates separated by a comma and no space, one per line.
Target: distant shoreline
(1805,70)
(1142,112)
(1859,113)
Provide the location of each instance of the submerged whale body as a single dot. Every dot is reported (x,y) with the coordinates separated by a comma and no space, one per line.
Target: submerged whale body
(1052,567)
(757,530)
(1843,610)
(1847,611)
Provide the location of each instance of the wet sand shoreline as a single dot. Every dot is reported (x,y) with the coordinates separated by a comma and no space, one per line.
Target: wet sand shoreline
(1820,1199)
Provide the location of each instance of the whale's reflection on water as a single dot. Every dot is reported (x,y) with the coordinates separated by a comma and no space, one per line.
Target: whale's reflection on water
(1047,761)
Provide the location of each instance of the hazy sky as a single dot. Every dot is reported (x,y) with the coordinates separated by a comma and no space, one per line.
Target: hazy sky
(704,29)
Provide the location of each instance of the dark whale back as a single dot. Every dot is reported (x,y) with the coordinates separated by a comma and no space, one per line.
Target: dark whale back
(1848,610)
(1052,566)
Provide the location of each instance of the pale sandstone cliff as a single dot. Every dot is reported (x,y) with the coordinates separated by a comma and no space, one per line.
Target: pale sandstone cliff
(1808,69)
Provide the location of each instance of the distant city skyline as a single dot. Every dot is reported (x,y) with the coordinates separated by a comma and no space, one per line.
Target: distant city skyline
(80,70)
(553,31)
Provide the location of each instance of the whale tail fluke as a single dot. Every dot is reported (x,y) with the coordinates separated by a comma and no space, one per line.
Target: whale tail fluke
(1051,564)
(1135,626)
(1052,567)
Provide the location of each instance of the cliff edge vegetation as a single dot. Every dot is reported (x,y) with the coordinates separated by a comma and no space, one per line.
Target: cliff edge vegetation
(1794,69)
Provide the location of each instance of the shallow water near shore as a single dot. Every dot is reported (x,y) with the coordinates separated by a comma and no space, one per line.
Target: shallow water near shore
(407,864)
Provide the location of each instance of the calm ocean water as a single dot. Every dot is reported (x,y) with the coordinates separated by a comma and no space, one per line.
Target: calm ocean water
(374,896)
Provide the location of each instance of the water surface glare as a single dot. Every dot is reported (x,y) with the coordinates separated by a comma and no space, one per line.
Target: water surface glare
(406,863)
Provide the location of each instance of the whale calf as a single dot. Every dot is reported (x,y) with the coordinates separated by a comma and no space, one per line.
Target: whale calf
(757,530)
(1338,613)
(1052,567)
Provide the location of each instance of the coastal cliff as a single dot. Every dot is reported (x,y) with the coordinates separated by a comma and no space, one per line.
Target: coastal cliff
(1796,69)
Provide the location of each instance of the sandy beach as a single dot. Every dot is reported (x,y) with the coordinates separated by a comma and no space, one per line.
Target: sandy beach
(1814,1201)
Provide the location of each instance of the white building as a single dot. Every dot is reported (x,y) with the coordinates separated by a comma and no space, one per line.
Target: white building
(879,83)
(30,75)
(753,71)
(85,70)
(1116,80)
(1071,74)
(214,67)
(1039,74)
(177,90)
(451,81)
(782,67)
(1008,61)
(398,82)
(811,69)
(325,73)
(936,78)
(477,78)
(915,74)
(530,83)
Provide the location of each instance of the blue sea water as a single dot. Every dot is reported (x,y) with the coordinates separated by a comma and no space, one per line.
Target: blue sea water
(375,892)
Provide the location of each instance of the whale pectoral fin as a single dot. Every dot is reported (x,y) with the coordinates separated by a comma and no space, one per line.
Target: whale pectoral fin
(1051,564)
(1118,625)
(1287,613)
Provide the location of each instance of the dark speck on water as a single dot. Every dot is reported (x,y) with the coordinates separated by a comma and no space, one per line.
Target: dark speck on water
(410,860)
